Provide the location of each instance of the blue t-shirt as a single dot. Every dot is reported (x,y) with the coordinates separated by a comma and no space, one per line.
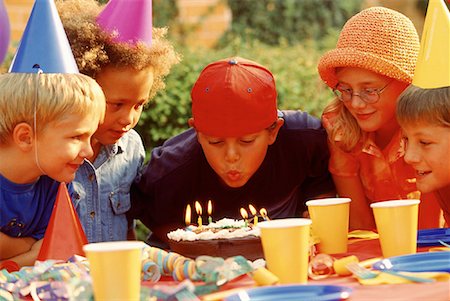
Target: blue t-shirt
(294,170)
(102,188)
(25,209)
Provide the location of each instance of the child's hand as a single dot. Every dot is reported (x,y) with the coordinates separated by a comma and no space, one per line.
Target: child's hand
(13,246)
(29,257)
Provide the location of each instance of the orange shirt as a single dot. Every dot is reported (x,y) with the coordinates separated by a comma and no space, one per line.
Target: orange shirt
(443,197)
(383,173)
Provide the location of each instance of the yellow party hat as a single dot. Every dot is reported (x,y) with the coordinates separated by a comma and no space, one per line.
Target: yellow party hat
(433,64)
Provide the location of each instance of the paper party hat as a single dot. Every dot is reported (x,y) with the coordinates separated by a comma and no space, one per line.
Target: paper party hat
(128,21)
(64,236)
(4,31)
(433,65)
(44,43)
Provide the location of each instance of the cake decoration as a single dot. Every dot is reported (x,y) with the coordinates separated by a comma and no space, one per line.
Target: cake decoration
(223,238)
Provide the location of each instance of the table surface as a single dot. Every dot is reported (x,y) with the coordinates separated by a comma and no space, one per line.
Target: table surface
(363,249)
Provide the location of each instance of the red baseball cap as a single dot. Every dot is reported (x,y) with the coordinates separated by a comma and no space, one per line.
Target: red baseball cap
(234,97)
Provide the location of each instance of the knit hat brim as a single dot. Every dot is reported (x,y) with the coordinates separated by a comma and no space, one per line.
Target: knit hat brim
(351,57)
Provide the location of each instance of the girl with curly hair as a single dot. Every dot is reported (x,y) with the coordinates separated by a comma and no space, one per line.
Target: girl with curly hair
(130,66)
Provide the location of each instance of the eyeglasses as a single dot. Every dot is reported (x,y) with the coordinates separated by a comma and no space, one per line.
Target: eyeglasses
(369,95)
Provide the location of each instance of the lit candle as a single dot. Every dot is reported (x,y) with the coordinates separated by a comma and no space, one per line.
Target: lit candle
(198,209)
(188,215)
(263,213)
(253,211)
(209,211)
(245,216)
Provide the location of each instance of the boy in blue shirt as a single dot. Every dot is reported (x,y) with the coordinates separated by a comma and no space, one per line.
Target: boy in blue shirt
(48,114)
(240,151)
(41,145)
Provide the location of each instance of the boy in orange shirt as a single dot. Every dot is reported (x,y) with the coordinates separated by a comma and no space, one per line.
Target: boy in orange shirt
(423,110)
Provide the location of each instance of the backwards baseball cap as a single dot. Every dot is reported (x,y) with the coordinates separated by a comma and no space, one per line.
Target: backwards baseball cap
(234,97)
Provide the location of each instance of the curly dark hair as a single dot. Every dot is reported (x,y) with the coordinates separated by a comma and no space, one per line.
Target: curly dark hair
(95,49)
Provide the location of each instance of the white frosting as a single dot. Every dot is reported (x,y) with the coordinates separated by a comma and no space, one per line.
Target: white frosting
(223,229)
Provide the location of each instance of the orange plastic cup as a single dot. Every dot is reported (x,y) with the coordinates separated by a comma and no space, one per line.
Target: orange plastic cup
(285,244)
(397,226)
(330,223)
(115,269)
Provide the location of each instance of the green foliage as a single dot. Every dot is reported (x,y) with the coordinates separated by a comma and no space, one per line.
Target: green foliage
(261,31)
(271,21)
(164,12)
(294,68)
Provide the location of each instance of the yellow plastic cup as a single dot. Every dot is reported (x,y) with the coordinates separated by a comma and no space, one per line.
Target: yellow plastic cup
(285,244)
(115,269)
(397,226)
(330,223)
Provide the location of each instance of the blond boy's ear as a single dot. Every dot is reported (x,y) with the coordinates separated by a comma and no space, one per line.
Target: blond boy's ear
(23,136)
(273,133)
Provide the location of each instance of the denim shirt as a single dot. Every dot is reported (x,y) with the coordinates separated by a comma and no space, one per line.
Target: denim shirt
(102,188)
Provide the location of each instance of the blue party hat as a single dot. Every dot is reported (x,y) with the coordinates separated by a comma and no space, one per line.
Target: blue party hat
(44,43)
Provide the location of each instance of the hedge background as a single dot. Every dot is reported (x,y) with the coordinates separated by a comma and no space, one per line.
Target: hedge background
(287,36)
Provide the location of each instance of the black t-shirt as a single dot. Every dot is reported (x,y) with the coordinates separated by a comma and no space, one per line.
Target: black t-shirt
(294,170)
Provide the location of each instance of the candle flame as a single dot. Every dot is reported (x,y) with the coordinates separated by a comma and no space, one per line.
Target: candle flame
(188,215)
(263,212)
(244,213)
(252,209)
(209,207)
(198,208)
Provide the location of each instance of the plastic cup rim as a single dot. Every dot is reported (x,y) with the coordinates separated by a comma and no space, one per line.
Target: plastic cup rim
(113,246)
(284,223)
(328,201)
(394,203)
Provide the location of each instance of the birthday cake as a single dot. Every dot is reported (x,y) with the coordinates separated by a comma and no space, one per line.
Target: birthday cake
(224,238)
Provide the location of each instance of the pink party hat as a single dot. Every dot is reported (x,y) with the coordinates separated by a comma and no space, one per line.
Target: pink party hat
(128,21)
(64,236)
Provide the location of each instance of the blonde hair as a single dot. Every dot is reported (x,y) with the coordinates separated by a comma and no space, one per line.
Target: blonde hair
(94,49)
(377,39)
(344,125)
(53,96)
(416,105)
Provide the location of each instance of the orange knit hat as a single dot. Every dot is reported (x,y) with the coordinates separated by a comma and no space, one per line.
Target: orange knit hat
(377,39)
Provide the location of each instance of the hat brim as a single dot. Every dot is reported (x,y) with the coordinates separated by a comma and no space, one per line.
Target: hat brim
(351,57)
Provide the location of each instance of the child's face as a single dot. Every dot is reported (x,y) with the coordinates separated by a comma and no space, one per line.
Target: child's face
(126,92)
(236,159)
(375,116)
(427,150)
(64,144)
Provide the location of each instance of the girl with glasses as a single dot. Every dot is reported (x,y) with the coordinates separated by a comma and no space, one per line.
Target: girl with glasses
(372,64)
